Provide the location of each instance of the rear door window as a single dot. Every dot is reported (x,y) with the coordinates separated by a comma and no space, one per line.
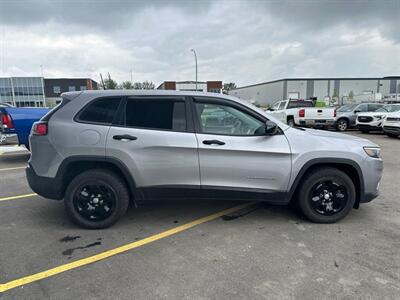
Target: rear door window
(156,114)
(101,111)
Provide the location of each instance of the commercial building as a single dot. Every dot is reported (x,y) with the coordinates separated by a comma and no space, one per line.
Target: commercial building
(54,87)
(202,86)
(39,91)
(335,91)
(22,91)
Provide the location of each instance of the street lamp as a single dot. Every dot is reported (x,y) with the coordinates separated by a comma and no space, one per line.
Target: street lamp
(195,58)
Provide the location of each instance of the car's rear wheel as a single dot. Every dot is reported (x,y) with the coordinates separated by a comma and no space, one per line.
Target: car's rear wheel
(291,123)
(326,195)
(96,199)
(342,125)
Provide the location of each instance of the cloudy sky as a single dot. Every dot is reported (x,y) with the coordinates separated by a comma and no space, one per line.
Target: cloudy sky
(241,41)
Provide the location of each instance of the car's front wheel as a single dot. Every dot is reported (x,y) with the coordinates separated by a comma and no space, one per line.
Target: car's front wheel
(96,199)
(326,195)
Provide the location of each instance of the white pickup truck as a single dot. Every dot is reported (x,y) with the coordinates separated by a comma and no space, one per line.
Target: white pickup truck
(303,113)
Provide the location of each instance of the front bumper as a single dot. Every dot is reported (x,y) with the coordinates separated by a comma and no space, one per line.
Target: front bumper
(46,187)
(391,129)
(367,127)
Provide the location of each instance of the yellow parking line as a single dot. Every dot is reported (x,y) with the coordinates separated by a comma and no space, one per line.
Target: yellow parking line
(10,169)
(95,258)
(17,197)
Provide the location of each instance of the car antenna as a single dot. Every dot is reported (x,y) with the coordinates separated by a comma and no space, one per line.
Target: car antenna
(102,82)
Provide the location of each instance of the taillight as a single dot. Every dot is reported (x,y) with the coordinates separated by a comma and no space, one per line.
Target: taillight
(6,121)
(302,113)
(39,129)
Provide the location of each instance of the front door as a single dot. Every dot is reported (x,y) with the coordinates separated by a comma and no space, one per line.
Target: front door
(236,155)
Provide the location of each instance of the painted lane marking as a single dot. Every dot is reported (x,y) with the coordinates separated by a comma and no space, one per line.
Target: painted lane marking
(17,197)
(10,169)
(109,253)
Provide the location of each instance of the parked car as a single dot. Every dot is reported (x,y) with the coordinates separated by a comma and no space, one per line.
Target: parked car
(346,115)
(99,150)
(373,121)
(391,125)
(19,121)
(302,113)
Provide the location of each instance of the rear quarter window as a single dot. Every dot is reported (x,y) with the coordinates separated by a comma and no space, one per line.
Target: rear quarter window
(100,111)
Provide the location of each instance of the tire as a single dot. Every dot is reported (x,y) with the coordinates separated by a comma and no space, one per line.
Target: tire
(315,184)
(392,135)
(96,199)
(291,122)
(342,125)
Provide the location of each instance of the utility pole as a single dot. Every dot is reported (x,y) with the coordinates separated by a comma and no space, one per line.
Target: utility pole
(131,76)
(195,59)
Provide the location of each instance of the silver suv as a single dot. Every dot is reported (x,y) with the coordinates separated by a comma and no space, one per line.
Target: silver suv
(101,150)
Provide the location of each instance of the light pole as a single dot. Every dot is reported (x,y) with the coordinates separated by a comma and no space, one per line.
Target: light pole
(195,58)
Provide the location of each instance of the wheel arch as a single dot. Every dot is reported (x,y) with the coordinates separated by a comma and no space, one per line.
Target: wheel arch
(349,167)
(75,165)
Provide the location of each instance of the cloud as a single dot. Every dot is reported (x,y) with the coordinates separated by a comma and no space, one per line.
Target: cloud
(241,41)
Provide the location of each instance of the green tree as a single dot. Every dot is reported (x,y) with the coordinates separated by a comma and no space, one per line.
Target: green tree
(228,86)
(148,85)
(145,85)
(127,85)
(137,86)
(110,84)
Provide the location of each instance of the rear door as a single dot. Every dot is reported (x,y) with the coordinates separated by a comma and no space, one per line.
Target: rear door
(155,140)
(235,155)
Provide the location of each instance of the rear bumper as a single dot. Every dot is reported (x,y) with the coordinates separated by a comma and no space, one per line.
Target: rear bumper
(44,186)
(317,123)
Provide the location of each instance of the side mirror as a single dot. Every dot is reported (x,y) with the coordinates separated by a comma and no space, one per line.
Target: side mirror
(270,109)
(357,111)
(271,128)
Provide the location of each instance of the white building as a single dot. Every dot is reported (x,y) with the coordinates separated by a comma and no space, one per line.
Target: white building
(336,90)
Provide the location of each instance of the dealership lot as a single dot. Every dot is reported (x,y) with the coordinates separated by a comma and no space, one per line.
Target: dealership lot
(256,252)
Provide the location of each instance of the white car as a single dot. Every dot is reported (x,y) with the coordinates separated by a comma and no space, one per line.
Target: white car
(391,125)
(373,121)
(302,113)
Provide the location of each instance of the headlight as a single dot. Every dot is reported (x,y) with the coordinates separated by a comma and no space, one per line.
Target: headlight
(373,152)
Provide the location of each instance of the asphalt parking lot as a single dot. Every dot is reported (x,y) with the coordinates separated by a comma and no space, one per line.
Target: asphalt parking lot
(257,252)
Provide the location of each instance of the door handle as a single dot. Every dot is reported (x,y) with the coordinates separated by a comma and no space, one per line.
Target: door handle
(213,142)
(124,137)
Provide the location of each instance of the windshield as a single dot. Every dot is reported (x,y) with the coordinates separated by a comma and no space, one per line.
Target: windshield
(389,108)
(347,107)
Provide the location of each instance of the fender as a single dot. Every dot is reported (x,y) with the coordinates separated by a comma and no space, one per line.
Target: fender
(329,160)
(117,163)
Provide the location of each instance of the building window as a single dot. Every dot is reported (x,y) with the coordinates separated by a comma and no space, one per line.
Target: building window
(71,88)
(83,88)
(56,89)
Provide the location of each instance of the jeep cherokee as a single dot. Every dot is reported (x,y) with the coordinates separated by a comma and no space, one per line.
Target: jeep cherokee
(101,150)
